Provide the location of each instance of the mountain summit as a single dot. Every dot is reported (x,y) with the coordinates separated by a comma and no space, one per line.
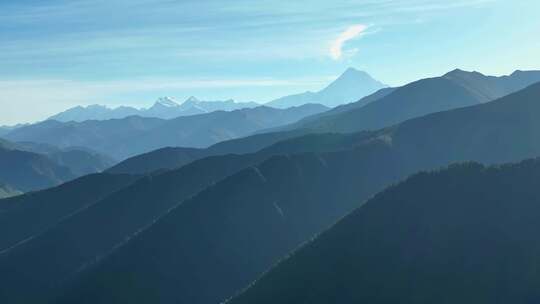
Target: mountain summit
(166,102)
(191,100)
(350,86)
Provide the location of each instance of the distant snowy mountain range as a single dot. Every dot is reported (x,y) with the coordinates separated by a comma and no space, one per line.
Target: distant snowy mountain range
(349,87)
(164,107)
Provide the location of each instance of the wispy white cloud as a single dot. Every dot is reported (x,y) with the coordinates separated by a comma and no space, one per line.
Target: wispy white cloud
(354,31)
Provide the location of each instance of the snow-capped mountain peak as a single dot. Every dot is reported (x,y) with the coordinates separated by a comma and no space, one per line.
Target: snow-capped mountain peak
(169,102)
(192,99)
(164,107)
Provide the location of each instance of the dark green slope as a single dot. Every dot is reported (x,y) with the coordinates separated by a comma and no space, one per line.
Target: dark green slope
(80,239)
(209,247)
(34,268)
(468,234)
(28,215)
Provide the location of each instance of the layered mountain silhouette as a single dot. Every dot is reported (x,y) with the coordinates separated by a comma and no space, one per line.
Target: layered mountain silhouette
(391,106)
(350,86)
(203,232)
(461,235)
(28,166)
(164,107)
(184,240)
(77,242)
(246,209)
(268,222)
(381,109)
(122,138)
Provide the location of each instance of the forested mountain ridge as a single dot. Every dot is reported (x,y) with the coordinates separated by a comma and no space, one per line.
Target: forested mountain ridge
(462,234)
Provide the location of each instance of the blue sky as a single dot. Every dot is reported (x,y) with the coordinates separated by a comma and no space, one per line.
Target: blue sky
(55,54)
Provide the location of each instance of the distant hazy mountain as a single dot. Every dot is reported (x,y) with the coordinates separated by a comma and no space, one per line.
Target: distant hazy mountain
(465,234)
(28,171)
(28,166)
(79,160)
(351,86)
(390,106)
(122,138)
(164,107)
(161,159)
(6,129)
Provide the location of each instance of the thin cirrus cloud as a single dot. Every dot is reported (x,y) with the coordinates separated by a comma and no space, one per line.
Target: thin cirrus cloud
(353,31)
